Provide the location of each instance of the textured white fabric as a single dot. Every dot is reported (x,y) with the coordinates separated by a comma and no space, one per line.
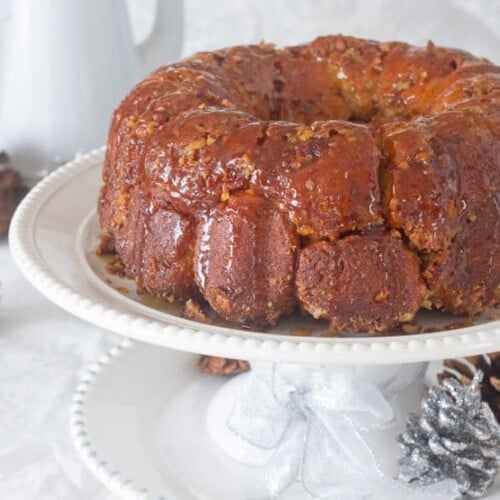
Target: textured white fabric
(43,350)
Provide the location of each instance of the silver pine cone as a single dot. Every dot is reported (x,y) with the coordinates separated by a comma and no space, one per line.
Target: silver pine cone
(456,436)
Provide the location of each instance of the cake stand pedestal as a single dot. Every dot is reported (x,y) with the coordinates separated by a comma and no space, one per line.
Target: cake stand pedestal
(315,426)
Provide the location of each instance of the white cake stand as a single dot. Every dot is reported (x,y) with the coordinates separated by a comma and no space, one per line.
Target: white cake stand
(141,417)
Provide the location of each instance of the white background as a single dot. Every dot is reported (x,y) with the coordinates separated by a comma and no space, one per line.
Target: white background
(43,350)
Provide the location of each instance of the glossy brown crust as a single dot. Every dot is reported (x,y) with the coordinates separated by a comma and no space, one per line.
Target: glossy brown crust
(465,278)
(208,160)
(245,260)
(420,75)
(375,272)
(435,180)
(356,66)
(335,137)
(325,176)
(167,255)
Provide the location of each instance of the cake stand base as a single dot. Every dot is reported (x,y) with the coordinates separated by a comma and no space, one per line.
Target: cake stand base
(139,421)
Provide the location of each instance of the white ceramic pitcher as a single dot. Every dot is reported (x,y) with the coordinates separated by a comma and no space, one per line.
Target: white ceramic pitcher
(64,66)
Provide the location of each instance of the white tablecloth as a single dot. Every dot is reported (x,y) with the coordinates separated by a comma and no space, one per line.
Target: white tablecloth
(43,350)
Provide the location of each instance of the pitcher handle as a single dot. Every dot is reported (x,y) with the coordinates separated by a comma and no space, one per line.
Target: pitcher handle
(157,30)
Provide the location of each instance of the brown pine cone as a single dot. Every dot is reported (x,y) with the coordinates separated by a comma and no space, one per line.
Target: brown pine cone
(12,191)
(4,158)
(463,370)
(215,365)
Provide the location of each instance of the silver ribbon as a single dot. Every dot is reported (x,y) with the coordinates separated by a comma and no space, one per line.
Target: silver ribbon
(307,424)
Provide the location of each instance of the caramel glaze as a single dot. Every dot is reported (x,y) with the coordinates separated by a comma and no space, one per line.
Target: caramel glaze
(373,270)
(356,179)
(245,259)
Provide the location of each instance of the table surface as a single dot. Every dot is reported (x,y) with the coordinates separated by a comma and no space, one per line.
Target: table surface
(43,350)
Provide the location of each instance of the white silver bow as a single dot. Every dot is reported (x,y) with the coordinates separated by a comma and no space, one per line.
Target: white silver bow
(308,424)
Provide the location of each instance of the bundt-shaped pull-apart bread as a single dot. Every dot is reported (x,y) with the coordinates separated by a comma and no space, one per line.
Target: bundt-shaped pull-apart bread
(356,180)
